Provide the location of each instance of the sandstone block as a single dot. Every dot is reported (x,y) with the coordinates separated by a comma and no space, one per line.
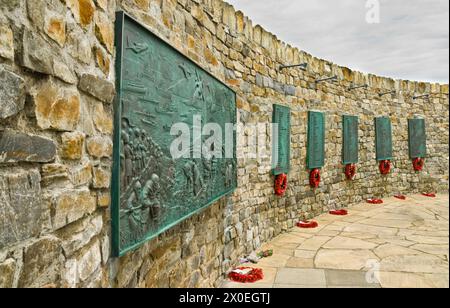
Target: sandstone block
(100,147)
(71,206)
(56,107)
(72,145)
(6,42)
(41,261)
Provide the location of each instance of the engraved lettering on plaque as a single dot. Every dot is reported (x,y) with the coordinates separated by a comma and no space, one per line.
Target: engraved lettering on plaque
(417,138)
(282,142)
(383,136)
(350,140)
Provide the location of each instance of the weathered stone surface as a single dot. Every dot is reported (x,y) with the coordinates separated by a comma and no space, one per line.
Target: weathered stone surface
(102,120)
(7,270)
(53,172)
(37,54)
(83,11)
(72,205)
(42,261)
(79,47)
(340,242)
(6,42)
(56,29)
(12,94)
(56,108)
(414,264)
(343,259)
(102,177)
(103,199)
(98,88)
(82,175)
(18,147)
(104,30)
(72,145)
(100,147)
(103,61)
(89,262)
(78,235)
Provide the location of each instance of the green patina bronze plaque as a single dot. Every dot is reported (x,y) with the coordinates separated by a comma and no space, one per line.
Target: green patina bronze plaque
(383,138)
(162,97)
(282,139)
(316,140)
(350,140)
(417,138)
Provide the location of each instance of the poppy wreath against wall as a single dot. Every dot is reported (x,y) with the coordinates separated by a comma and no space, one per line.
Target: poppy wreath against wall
(254,274)
(385,167)
(314,178)
(418,164)
(350,172)
(281,184)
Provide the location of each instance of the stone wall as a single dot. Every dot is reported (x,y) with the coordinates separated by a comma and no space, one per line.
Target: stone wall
(56,91)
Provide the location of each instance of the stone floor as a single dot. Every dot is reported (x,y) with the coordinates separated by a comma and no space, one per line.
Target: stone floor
(399,244)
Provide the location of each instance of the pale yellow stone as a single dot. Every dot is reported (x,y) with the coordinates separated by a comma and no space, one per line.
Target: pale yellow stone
(343,259)
(340,242)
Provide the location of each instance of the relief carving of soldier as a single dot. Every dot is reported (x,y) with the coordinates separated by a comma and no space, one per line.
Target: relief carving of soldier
(150,195)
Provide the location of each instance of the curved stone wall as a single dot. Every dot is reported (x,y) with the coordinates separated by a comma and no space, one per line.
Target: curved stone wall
(57,77)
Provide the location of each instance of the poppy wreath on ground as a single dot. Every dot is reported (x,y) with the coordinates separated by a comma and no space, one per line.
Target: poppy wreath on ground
(314,178)
(430,195)
(281,184)
(385,167)
(375,201)
(418,164)
(307,224)
(254,275)
(401,197)
(350,171)
(339,212)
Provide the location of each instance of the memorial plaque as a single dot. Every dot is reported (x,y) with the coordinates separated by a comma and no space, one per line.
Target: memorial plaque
(282,139)
(350,140)
(383,138)
(417,138)
(162,97)
(316,140)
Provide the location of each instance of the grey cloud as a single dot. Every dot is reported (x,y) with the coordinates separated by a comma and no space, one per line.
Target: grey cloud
(411,42)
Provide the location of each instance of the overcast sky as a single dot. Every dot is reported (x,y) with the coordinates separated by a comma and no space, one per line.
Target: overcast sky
(411,41)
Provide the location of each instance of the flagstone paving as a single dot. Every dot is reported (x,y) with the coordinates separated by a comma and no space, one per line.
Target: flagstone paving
(398,244)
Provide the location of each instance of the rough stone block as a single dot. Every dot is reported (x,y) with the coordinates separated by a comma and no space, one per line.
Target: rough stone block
(72,145)
(83,11)
(41,263)
(71,206)
(56,107)
(98,88)
(102,177)
(20,207)
(12,94)
(102,120)
(6,42)
(100,147)
(104,30)
(19,147)
(7,270)
(37,53)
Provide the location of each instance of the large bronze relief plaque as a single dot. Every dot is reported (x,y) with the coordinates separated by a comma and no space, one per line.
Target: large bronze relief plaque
(157,89)
(316,140)
(417,138)
(350,140)
(282,139)
(383,138)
